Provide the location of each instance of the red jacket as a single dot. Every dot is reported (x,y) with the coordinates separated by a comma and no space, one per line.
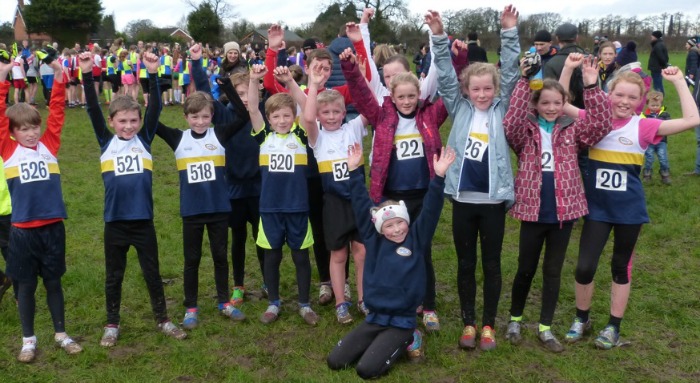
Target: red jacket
(568,138)
(384,119)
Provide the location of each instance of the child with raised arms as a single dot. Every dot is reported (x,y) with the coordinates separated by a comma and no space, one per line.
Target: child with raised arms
(615,196)
(37,235)
(406,135)
(549,196)
(329,137)
(394,275)
(284,203)
(242,169)
(200,157)
(127,166)
(481,186)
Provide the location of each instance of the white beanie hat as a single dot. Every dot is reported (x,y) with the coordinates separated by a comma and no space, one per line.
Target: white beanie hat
(383,214)
(231,45)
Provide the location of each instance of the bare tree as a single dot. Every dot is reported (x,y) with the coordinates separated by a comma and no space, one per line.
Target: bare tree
(222,8)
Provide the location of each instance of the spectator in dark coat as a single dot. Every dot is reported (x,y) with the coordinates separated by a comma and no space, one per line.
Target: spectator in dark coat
(658,60)
(475,53)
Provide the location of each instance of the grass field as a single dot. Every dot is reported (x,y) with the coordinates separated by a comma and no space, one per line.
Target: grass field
(661,320)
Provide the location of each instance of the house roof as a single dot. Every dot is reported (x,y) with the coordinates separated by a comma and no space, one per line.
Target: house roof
(172,30)
(288,35)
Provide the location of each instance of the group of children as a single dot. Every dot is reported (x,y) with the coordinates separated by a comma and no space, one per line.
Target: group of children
(260,163)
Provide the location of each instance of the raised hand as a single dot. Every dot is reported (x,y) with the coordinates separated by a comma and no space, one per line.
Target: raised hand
(509,17)
(315,75)
(85,62)
(354,156)
(440,164)
(434,22)
(573,60)
(524,66)
(283,75)
(352,30)
(589,70)
(257,71)
(672,74)
(367,14)
(275,37)
(458,45)
(347,55)
(196,52)
(151,61)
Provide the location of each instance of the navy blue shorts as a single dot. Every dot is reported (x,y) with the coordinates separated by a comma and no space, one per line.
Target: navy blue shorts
(277,228)
(39,251)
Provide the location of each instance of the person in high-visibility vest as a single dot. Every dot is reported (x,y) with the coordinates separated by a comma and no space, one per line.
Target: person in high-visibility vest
(165,73)
(127,73)
(143,74)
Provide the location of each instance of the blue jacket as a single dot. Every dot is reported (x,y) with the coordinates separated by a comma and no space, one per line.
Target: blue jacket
(461,111)
(394,273)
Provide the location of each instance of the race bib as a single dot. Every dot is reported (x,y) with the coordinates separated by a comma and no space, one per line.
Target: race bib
(341,172)
(32,171)
(475,149)
(409,149)
(547,161)
(607,179)
(127,164)
(281,162)
(200,172)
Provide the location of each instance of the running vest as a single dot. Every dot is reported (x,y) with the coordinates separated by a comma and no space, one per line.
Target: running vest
(331,152)
(283,163)
(184,77)
(165,68)
(5,202)
(548,199)
(408,169)
(475,166)
(200,162)
(613,189)
(127,175)
(110,65)
(34,175)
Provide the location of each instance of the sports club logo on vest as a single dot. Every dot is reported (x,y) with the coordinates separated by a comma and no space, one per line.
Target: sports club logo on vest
(625,141)
(136,150)
(403,251)
(292,146)
(211,146)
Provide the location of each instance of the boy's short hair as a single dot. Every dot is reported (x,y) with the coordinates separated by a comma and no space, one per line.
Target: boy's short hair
(22,114)
(330,96)
(319,54)
(240,79)
(197,102)
(655,95)
(279,101)
(123,103)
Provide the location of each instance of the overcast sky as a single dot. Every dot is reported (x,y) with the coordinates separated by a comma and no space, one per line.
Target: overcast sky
(296,12)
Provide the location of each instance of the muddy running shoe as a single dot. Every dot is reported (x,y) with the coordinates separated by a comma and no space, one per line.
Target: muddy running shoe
(270,315)
(468,338)
(170,329)
(362,308)
(415,350)
(342,313)
(110,336)
(608,338)
(70,346)
(231,311)
(310,317)
(488,339)
(578,330)
(325,294)
(431,321)
(549,341)
(237,296)
(191,320)
(513,333)
(28,352)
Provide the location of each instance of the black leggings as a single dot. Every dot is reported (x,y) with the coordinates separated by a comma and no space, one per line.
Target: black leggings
(594,236)
(192,237)
(27,305)
(244,211)
(533,236)
(273,259)
(376,347)
(487,223)
(321,253)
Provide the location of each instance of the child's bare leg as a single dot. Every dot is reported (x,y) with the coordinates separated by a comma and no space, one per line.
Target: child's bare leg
(358,255)
(337,270)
